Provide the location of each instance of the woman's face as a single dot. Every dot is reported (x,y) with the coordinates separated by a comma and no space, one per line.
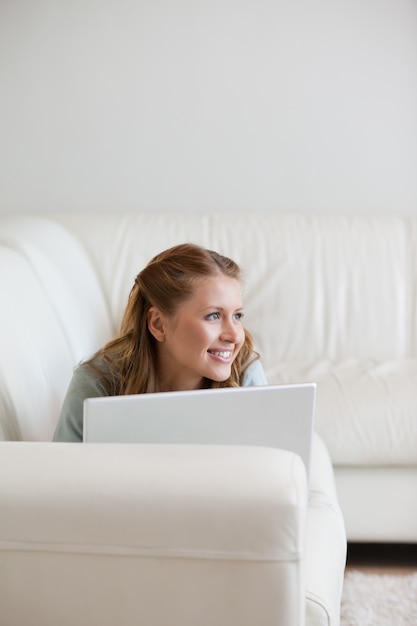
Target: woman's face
(202,339)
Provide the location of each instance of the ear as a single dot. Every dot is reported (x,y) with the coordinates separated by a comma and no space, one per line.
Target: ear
(156,324)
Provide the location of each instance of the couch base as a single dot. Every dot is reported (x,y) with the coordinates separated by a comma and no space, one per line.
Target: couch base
(99,534)
(390,515)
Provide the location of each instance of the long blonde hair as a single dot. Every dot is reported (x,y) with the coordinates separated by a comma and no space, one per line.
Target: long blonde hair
(128,363)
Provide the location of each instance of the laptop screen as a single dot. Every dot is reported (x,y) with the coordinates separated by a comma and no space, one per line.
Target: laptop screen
(279,416)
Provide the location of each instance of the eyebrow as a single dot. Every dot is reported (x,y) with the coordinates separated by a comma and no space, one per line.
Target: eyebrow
(220,308)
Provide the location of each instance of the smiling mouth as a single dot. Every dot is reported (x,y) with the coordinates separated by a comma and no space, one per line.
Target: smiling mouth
(222,354)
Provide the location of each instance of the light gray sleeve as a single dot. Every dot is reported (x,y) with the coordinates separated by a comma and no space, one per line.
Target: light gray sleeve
(84,384)
(255,375)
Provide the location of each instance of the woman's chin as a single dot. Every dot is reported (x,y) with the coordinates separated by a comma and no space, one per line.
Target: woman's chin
(221,374)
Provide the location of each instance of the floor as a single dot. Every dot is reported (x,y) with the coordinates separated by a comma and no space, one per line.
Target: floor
(377,558)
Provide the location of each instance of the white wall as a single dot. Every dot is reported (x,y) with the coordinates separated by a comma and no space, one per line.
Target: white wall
(195,105)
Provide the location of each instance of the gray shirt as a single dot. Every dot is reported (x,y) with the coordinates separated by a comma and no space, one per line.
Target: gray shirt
(86,383)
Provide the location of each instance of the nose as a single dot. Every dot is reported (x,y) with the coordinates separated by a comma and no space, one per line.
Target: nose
(231,332)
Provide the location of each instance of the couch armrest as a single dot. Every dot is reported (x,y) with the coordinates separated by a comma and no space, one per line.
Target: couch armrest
(151,534)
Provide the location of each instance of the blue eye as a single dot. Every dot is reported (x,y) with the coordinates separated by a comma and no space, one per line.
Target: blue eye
(213,316)
(216,315)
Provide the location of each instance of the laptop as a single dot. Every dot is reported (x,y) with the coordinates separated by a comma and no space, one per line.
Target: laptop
(279,416)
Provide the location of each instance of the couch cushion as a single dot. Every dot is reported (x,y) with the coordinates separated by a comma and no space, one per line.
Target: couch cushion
(366,410)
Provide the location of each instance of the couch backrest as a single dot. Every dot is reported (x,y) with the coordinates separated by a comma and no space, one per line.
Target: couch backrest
(316,288)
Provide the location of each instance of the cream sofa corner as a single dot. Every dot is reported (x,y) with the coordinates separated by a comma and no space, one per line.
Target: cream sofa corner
(156,535)
(328,299)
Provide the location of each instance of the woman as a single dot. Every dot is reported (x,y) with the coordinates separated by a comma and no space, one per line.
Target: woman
(181,329)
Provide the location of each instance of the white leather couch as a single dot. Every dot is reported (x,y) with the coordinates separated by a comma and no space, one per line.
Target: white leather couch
(163,535)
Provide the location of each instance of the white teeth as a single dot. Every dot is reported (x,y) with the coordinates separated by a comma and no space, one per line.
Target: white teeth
(224,355)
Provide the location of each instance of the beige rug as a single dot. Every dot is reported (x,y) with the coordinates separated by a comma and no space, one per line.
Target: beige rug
(379,600)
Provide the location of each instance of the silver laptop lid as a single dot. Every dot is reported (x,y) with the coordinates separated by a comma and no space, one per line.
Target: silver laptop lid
(279,416)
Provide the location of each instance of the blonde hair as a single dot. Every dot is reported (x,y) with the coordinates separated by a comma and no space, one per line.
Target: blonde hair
(128,363)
